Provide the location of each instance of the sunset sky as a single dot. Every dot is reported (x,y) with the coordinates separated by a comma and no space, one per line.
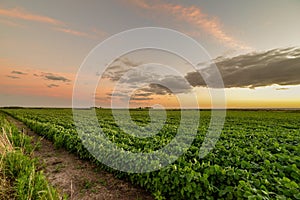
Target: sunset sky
(255,45)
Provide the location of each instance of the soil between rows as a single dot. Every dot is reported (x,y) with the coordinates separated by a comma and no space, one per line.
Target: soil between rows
(77,178)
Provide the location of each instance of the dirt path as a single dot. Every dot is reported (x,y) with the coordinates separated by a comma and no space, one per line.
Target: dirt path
(77,178)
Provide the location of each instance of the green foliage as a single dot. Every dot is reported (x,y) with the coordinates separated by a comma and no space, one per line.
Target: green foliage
(256,157)
(28,183)
(19,167)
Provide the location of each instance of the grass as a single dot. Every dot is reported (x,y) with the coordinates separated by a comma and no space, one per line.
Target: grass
(88,184)
(19,178)
(102,182)
(6,190)
(58,168)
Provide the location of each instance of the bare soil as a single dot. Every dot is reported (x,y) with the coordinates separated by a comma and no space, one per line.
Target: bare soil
(79,179)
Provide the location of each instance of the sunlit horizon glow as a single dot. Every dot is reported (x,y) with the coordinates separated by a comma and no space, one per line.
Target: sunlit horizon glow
(258,55)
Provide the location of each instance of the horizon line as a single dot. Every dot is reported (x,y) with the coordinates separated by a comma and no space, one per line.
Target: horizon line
(144,108)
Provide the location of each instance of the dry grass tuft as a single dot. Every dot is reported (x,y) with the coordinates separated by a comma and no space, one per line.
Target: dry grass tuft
(5,144)
(6,191)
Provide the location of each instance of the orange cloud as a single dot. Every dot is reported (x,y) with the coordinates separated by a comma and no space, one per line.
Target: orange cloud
(141,3)
(60,26)
(73,32)
(195,17)
(21,14)
(93,35)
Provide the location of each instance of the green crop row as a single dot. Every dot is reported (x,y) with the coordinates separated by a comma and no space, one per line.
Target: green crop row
(257,155)
(18,173)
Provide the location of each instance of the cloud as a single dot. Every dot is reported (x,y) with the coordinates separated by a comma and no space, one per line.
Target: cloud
(125,95)
(57,25)
(52,85)
(257,69)
(282,88)
(24,15)
(72,32)
(18,72)
(152,80)
(118,68)
(129,63)
(13,77)
(146,94)
(91,35)
(194,16)
(117,94)
(156,89)
(176,84)
(139,76)
(162,85)
(50,76)
(114,74)
(276,66)
(141,98)
(167,85)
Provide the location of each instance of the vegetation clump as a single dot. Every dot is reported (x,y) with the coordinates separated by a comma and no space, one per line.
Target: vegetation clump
(19,177)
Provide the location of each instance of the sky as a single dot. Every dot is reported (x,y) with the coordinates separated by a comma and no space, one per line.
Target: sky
(255,46)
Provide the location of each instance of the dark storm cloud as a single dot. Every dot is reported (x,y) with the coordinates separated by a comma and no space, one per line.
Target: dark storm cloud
(277,66)
(18,72)
(50,76)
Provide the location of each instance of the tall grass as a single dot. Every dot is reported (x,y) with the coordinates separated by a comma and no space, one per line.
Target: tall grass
(19,178)
(6,146)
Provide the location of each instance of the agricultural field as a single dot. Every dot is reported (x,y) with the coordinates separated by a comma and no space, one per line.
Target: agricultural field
(256,157)
(19,177)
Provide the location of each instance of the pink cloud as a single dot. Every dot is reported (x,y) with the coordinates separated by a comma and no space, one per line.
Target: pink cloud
(93,34)
(72,32)
(57,25)
(194,16)
(24,15)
